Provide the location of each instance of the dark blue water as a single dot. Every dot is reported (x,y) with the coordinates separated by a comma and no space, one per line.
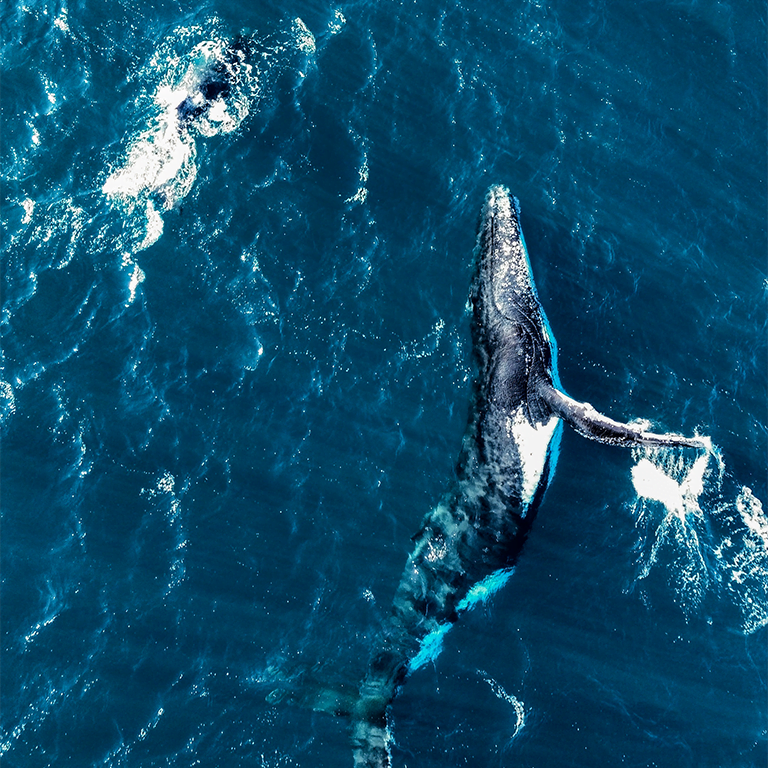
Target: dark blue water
(236,370)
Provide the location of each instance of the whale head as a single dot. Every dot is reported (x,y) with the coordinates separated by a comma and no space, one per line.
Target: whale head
(513,342)
(504,267)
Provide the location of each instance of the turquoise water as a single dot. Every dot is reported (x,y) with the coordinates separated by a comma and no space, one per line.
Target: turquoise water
(236,369)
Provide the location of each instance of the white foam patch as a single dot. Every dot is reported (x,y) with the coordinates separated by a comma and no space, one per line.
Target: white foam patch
(154,227)
(338,22)
(7,402)
(166,497)
(533,446)
(61,22)
(751,511)
(137,276)
(29,206)
(161,160)
(744,558)
(305,40)
(160,166)
(362,191)
(708,543)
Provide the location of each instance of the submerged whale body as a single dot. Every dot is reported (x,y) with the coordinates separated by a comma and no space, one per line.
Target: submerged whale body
(467,544)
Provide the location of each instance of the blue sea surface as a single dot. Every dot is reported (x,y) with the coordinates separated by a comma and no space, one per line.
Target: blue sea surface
(236,370)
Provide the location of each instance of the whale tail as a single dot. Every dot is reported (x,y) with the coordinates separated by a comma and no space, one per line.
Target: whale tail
(370,743)
(387,670)
(364,705)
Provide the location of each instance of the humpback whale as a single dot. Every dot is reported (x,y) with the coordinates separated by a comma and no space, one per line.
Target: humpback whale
(469,541)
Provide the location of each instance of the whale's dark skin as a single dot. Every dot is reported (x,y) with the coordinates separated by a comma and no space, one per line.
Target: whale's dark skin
(215,82)
(506,460)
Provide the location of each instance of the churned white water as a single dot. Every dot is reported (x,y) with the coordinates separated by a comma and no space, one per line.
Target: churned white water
(709,542)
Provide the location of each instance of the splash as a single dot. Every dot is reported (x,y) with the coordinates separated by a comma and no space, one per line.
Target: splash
(192,93)
(680,498)
(708,543)
(206,92)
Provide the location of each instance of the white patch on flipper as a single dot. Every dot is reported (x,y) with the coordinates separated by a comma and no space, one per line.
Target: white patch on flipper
(533,447)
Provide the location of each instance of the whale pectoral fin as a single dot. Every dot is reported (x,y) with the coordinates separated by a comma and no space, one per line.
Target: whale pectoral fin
(589,423)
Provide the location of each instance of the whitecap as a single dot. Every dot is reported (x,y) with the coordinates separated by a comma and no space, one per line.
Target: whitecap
(7,402)
(29,206)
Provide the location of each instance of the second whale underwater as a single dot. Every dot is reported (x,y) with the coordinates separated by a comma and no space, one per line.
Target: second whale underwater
(468,543)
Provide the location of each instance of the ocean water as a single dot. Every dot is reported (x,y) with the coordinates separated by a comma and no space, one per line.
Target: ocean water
(236,370)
